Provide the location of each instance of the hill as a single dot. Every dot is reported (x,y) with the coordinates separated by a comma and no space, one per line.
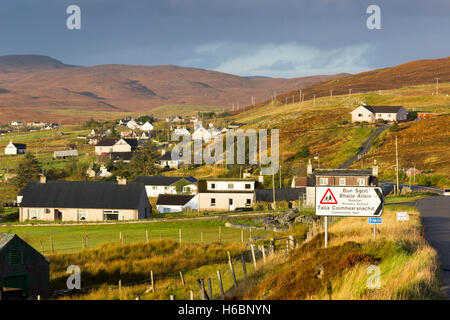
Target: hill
(50,87)
(407,74)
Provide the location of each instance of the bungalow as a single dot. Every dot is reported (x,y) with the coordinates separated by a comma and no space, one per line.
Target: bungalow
(166,160)
(225,194)
(65,154)
(108,145)
(15,148)
(202,134)
(168,203)
(290,195)
(334,177)
(371,114)
(156,185)
(132,124)
(22,267)
(147,126)
(83,201)
(16,123)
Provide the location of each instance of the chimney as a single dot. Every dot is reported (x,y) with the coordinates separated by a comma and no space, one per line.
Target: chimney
(375,168)
(121,180)
(43,179)
(309,168)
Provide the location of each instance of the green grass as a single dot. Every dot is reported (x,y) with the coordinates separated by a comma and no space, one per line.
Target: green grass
(185,111)
(409,197)
(69,238)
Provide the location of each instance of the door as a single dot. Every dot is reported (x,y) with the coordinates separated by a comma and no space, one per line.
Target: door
(230,204)
(16,281)
(58,215)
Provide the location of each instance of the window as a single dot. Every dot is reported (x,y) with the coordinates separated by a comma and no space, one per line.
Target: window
(248,186)
(230,201)
(230,186)
(248,202)
(361,182)
(323,181)
(15,256)
(82,215)
(154,187)
(213,202)
(342,181)
(213,185)
(110,215)
(360,115)
(34,214)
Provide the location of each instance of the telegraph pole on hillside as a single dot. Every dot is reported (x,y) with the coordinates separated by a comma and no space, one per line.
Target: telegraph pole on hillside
(396,161)
(437,86)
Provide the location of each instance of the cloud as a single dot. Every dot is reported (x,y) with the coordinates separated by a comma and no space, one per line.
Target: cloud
(288,59)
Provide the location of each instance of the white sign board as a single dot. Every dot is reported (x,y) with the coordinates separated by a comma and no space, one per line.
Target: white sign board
(402,216)
(349,201)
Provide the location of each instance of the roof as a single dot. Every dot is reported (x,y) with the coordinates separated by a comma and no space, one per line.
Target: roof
(131,142)
(168,156)
(19,145)
(383,109)
(107,142)
(173,199)
(266,195)
(126,156)
(161,180)
(341,172)
(66,153)
(5,238)
(82,194)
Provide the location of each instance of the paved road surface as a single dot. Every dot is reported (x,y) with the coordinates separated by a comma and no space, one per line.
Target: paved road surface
(364,148)
(435,212)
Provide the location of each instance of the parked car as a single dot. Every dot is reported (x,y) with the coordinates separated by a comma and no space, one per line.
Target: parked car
(446,192)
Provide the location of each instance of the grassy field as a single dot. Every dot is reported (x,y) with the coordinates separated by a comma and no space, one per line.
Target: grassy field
(70,238)
(185,111)
(409,266)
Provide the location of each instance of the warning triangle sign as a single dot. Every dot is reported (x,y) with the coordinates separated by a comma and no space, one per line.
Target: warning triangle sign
(328,198)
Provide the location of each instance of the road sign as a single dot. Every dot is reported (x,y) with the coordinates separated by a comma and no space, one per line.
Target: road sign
(375,220)
(349,201)
(402,216)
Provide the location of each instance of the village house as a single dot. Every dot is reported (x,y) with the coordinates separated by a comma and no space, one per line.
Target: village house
(65,154)
(168,203)
(16,123)
(22,267)
(290,195)
(147,126)
(108,145)
(202,134)
(225,194)
(15,148)
(174,119)
(156,185)
(83,201)
(334,177)
(132,124)
(166,160)
(121,156)
(371,114)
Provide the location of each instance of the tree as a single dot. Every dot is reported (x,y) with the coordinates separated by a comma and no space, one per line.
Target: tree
(304,152)
(144,160)
(27,169)
(394,127)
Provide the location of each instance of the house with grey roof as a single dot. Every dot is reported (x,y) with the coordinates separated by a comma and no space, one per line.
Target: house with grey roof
(15,148)
(168,203)
(22,269)
(371,114)
(156,185)
(83,201)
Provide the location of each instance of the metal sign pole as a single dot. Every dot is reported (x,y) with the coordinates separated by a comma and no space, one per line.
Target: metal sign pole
(374,231)
(326,231)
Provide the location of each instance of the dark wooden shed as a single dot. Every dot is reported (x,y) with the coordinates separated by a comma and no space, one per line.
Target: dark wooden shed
(23,267)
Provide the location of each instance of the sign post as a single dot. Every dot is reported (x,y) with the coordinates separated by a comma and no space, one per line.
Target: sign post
(375,221)
(349,202)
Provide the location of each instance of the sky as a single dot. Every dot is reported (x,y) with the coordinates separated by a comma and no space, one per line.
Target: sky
(275,38)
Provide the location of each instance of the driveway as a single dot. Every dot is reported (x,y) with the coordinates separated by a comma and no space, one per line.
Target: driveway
(435,212)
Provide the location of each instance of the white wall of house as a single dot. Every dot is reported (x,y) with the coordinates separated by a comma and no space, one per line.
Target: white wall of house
(103,149)
(190,188)
(191,205)
(121,146)
(155,191)
(224,201)
(230,185)
(11,149)
(75,214)
(361,114)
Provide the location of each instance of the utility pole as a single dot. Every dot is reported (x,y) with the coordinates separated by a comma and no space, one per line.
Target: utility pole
(349,92)
(396,161)
(437,86)
(300,96)
(314,100)
(280,176)
(331,95)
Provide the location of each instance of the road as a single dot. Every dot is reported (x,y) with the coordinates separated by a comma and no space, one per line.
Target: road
(364,148)
(435,212)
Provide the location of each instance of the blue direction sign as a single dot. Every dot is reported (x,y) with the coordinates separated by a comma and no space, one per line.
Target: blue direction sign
(375,220)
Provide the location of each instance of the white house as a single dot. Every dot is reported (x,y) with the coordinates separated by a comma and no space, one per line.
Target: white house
(16,123)
(226,194)
(15,148)
(371,114)
(108,145)
(156,185)
(132,124)
(103,173)
(168,203)
(147,126)
(202,134)
(181,132)
(166,160)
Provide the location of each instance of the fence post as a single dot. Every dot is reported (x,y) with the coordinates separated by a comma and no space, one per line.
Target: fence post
(244,269)
(292,242)
(152,281)
(219,276)
(250,236)
(179,230)
(172,297)
(120,289)
(182,278)
(146,235)
(87,241)
(263,250)
(53,248)
(220,234)
(201,284)
(42,247)
(201,237)
(209,289)
(230,263)
(253,255)
(191,295)
(242,235)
